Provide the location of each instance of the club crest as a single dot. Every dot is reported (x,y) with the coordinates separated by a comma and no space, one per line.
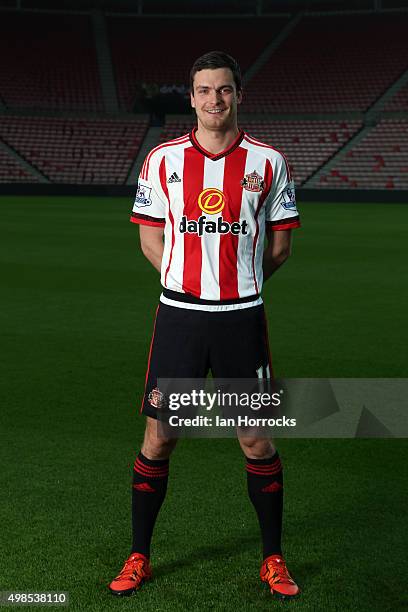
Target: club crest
(253,182)
(156,398)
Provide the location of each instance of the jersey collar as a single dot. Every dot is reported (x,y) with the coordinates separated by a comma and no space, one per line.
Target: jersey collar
(215,156)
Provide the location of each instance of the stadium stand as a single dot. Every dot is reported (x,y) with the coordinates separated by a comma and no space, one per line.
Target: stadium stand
(328,64)
(379,161)
(13,172)
(332,64)
(308,144)
(137,58)
(79,151)
(48,62)
(399,102)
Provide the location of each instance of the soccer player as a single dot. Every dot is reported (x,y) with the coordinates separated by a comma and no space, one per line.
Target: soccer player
(205,203)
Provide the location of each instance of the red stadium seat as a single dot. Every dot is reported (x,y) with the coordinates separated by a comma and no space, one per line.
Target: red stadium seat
(13,172)
(51,62)
(331,64)
(377,161)
(70,150)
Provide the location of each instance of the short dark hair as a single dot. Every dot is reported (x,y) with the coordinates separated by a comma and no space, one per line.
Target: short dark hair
(217,59)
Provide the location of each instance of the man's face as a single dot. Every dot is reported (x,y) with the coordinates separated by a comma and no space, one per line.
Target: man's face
(215,98)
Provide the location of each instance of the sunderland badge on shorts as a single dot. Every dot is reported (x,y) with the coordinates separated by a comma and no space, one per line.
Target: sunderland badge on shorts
(253,182)
(156,398)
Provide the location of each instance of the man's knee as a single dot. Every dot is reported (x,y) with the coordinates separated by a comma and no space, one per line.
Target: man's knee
(155,444)
(257,448)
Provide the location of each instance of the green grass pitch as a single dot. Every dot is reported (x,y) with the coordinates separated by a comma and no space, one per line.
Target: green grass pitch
(78,302)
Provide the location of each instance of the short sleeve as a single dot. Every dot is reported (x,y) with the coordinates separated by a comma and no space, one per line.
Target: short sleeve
(149,207)
(281,210)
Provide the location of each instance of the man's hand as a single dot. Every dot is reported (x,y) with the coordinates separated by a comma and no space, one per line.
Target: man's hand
(277,251)
(151,241)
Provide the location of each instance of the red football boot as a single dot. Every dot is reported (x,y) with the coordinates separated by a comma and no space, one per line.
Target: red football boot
(134,574)
(275,573)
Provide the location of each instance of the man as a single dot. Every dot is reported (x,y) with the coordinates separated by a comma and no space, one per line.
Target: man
(214,195)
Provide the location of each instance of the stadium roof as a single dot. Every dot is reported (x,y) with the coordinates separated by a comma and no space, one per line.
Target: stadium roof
(205,7)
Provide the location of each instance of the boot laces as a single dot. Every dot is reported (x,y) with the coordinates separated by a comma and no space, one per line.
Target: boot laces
(131,567)
(278,571)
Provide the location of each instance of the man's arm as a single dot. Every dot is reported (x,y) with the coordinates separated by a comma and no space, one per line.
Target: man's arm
(151,241)
(277,251)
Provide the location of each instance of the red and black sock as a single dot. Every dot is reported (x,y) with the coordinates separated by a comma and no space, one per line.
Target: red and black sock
(265,488)
(148,492)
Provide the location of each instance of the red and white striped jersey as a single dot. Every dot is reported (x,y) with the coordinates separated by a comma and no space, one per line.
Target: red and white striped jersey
(214,209)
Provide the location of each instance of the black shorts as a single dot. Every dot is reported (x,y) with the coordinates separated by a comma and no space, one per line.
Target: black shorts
(189,343)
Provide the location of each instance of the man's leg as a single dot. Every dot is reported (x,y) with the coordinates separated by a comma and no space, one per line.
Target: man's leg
(265,489)
(149,486)
(178,350)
